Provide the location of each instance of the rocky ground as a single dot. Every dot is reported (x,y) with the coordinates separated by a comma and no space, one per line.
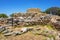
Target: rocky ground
(37,32)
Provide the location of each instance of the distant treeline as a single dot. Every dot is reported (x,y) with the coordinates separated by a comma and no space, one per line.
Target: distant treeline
(51,10)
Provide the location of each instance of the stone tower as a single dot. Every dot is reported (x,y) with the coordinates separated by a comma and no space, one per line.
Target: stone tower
(33,10)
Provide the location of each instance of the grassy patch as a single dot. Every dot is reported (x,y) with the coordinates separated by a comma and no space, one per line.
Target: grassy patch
(49,26)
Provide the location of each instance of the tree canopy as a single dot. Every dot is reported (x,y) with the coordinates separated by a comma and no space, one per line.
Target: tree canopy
(2,15)
(53,10)
(11,15)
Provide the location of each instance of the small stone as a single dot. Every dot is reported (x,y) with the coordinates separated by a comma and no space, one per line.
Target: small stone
(24,30)
(8,34)
(6,31)
(57,38)
(17,33)
(37,28)
(30,28)
(47,38)
(51,38)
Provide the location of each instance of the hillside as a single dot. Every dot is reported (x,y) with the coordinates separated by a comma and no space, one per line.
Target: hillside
(33,25)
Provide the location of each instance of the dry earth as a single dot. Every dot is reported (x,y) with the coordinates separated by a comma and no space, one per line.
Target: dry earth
(26,36)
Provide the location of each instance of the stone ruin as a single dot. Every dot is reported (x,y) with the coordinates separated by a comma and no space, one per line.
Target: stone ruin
(33,10)
(40,18)
(36,18)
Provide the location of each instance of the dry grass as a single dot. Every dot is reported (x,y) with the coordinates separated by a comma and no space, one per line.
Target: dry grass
(26,36)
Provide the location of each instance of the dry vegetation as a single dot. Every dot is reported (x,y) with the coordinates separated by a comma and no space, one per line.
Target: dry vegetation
(27,36)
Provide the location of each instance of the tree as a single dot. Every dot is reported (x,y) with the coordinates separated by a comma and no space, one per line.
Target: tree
(53,10)
(12,15)
(58,12)
(3,15)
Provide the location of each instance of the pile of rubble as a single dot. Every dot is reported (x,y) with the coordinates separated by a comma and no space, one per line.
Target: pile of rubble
(29,20)
(36,20)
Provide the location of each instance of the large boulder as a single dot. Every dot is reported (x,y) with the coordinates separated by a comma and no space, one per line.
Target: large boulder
(2,28)
(44,19)
(56,25)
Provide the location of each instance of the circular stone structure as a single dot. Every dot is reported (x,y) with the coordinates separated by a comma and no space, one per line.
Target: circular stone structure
(33,10)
